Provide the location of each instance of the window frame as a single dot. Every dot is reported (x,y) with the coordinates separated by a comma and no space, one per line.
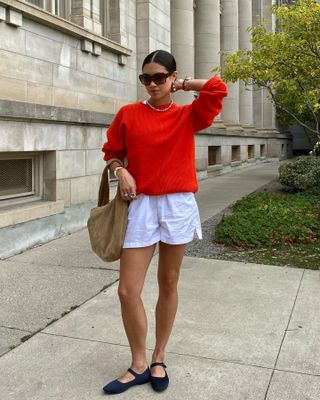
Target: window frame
(60,8)
(251,152)
(37,178)
(105,18)
(214,155)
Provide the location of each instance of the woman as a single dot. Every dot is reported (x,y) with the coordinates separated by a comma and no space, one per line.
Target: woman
(157,138)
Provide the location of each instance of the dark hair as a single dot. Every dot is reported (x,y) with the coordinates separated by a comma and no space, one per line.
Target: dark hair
(163,58)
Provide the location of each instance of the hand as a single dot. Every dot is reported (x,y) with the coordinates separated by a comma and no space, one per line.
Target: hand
(127,185)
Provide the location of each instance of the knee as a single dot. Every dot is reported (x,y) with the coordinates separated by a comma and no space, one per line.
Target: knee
(128,294)
(168,287)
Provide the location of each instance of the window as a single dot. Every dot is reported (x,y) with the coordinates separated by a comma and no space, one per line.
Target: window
(262,150)
(105,17)
(114,20)
(214,155)
(250,151)
(19,175)
(38,3)
(62,8)
(235,153)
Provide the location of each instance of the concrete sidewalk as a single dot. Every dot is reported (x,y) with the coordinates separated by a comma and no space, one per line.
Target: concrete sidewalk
(242,331)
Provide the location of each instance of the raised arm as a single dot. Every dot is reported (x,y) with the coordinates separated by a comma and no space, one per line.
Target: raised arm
(209,102)
(190,84)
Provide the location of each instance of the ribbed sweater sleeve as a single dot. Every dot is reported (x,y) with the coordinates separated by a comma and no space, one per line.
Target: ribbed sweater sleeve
(115,146)
(208,104)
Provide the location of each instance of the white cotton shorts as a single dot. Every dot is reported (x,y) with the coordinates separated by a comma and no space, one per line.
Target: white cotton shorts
(172,218)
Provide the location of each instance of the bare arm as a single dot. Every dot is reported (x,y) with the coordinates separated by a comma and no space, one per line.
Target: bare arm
(192,84)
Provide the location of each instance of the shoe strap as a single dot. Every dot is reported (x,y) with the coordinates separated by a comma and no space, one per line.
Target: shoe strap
(134,373)
(162,364)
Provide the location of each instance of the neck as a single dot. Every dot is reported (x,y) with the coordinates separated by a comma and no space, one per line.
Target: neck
(159,102)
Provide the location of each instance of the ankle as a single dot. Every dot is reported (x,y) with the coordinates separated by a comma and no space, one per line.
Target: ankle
(139,366)
(158,356)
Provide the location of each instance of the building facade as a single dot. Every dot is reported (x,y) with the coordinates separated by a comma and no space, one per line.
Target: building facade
(65,69)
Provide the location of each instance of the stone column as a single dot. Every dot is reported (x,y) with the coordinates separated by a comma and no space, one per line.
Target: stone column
(207,40)
(267,106)
(86,14)
(246,94)
(207,37)
(153,32)
(257,94)
(230,43)
(182,43)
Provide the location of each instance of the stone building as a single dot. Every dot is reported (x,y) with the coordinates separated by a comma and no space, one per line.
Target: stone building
(65,69)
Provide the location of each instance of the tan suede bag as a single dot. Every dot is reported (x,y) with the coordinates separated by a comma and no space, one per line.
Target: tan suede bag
(107,223)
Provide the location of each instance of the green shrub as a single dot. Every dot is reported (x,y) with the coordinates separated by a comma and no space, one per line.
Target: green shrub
(270,219)
(302,173)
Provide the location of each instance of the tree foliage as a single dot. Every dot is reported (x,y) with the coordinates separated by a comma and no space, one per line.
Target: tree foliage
(286,62)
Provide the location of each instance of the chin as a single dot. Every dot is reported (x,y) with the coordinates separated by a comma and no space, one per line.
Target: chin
(155,94)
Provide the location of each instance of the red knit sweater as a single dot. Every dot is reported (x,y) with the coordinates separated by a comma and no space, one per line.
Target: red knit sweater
(159,146)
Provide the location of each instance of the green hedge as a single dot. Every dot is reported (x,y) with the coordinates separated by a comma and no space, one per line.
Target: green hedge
(270,219)
(301,174)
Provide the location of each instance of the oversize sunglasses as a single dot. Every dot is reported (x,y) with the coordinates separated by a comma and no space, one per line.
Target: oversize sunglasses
(158,78)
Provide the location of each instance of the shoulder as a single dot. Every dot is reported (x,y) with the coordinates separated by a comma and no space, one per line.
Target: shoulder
(130,107)
(125,112)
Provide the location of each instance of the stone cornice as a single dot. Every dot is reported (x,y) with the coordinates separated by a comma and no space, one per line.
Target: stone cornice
(23,111)
(256,133)
(48,19)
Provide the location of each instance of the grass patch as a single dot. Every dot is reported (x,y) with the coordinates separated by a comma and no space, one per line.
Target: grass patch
(299,255)
(278,228)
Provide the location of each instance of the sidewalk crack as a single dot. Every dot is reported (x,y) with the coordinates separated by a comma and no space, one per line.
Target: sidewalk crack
(284,336)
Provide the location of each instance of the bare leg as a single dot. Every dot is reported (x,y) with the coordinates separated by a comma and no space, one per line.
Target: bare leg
(134,264)
(170,259)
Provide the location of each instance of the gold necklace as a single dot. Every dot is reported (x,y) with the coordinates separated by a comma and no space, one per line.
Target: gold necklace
(157,109)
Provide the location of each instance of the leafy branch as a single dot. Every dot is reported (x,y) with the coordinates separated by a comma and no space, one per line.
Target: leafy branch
(285,62)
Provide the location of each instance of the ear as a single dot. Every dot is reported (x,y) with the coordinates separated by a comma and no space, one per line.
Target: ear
(174,75)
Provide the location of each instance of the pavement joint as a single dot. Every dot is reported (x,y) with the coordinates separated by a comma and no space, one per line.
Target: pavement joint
(58,265)
(289,319)
(84,339)
(14,328)
(284,336)
(167,352)
(223,360)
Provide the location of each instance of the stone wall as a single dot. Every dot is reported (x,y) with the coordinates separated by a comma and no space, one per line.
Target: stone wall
(42,65)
